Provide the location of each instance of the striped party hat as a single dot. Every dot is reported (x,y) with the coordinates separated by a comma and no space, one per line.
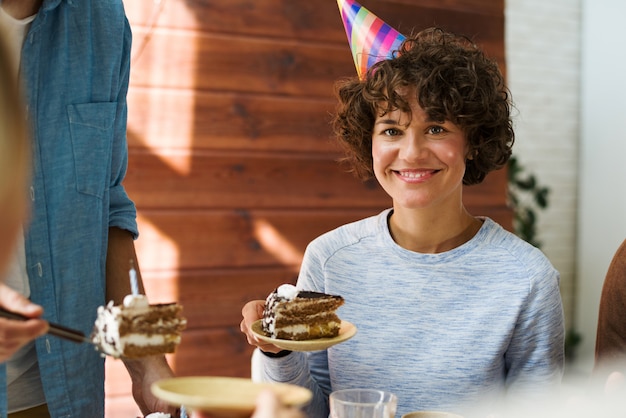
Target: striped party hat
(371,40)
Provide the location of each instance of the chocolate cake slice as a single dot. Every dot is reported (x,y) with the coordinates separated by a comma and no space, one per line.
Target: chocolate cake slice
(138,329)
(291,314)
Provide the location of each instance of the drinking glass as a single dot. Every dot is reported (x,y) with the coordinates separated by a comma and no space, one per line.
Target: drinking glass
(363,403)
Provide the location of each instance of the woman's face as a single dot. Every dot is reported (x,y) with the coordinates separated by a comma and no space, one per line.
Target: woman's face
(419,162)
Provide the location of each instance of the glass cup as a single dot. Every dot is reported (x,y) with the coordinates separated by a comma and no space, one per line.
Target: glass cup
(363,403)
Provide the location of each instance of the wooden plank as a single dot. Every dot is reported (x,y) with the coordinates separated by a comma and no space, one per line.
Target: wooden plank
(232,238)
(183,119)
(213,298)
(213,352)
(491,192)
(482,7)
(207,61)
(305,20)
(272,18)
(185,60)
(243,180)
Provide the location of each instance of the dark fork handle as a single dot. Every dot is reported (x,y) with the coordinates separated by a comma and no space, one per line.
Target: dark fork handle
(55,329)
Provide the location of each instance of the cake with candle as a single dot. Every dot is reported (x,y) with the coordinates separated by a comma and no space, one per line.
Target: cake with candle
(137,329)
(293,314)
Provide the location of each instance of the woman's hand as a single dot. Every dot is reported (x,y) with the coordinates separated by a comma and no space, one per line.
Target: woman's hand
(251,312)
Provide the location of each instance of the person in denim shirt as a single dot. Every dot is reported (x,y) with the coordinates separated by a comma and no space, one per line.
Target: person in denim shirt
(75,63)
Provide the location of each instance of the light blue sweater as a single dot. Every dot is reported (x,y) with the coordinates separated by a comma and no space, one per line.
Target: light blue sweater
(442,331)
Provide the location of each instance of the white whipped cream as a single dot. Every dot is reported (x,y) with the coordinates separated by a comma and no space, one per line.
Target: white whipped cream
(139,302)
(287,291)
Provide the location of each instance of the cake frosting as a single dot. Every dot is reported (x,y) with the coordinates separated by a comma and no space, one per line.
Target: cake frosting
(294,314)
(137,329)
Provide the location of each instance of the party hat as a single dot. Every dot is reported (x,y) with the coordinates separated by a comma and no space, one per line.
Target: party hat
(371,40)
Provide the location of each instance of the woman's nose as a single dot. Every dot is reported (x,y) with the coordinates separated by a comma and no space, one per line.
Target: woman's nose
(413,147)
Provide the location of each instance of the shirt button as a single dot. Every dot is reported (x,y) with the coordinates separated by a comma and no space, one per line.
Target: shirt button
(39,269)
(32,193)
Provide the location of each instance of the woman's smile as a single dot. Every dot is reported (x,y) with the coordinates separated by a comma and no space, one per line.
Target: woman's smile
(415,176)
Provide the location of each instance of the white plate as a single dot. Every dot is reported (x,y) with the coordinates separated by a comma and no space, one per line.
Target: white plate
(346,331)
(224,396)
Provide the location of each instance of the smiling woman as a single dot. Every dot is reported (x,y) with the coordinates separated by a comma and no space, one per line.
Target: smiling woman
(434,290)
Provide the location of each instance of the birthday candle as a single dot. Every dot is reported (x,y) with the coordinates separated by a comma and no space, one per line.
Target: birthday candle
(133,279)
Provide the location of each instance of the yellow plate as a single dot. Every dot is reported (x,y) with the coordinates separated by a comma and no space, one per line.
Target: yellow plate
(346,332)
(224,396)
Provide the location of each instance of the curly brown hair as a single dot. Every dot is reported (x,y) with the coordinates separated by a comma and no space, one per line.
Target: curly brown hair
(453,80)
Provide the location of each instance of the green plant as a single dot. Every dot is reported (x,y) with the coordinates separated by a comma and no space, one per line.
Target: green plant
(572,340)
(525,197)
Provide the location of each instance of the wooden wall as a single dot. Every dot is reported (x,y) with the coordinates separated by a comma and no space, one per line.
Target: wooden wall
(231,161)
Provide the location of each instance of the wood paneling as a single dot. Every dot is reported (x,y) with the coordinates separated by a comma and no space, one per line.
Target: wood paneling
(229,121)
(238,238)
(232,165)
(249,181)
(259,65)
(187,60)
(260,181)
(309,20)
(224,290)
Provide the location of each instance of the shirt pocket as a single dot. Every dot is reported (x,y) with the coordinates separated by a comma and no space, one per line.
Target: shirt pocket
(91,131)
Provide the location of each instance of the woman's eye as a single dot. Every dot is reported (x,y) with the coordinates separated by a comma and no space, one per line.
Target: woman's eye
(391,132)
(434,130)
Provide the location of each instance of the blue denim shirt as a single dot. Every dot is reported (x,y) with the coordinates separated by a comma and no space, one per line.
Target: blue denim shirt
(75,68)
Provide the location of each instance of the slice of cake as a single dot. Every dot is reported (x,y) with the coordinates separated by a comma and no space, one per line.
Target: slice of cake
(291,314)
(137,329)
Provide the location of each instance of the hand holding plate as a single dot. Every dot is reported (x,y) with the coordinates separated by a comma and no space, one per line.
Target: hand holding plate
(252,313)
